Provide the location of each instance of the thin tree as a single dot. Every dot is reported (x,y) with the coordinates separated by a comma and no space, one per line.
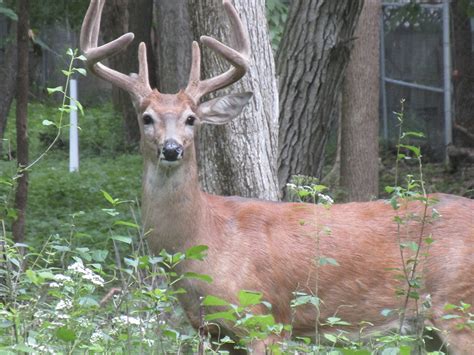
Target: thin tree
(8,72)
(360,110)
(123,16)
(21,194)
(240,158)
(311,63)
(463,73)
(172,38)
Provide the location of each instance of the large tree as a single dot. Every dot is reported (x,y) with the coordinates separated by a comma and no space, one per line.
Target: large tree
(360,110)
(240,158)
(311,63)
(21,194)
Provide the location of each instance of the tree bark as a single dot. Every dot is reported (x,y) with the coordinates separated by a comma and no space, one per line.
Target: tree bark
(8,84)
(122,16)
(311,63)
(172,44)
(360,110)
(240,158)
(21,194)
(463,74)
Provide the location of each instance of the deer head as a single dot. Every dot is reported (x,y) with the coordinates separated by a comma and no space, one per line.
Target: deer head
(167,121)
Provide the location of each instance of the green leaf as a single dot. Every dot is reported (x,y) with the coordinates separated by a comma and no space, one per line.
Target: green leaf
(450,306)
(65,334)
(171,333)
(249,298)
(410,245)
(228,315)
(67,72)
(99,255)
(331,338)
(109,198)
(122,238)
(194,275)
(88,302)
(127,224)
(48,123)
(450,316)
(46,275)
(33,277)
(81,71)
(386,312)
(79,106)
(214,301)
(327,261)
(413,134)
(415,150)
(56,89)
(23,348)
(405,350)
(196,252)
(8,12)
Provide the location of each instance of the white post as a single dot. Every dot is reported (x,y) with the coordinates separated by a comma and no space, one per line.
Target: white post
(73,132)
(448,125)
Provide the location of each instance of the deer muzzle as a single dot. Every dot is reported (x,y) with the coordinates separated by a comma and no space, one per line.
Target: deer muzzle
(172,151)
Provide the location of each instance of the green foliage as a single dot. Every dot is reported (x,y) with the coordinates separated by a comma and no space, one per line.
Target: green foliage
(277,13)
(8,12)
(253,326)
(48,12)
(63,297)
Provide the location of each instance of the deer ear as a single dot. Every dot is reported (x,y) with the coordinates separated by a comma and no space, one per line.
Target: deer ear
(223,109)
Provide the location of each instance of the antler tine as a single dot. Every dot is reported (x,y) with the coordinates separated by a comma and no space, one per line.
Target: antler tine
(137,85)
(239,58)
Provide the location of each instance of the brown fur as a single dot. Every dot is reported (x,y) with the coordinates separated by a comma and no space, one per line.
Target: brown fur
(271,247)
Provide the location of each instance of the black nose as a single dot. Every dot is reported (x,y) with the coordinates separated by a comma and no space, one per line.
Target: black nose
(172,150)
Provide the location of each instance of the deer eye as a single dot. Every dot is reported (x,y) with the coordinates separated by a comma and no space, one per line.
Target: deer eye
(147,119)
(191,120)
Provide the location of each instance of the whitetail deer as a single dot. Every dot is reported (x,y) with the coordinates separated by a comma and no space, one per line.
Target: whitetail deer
(267,246)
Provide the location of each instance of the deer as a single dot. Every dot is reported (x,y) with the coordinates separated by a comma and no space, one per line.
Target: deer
(272,247)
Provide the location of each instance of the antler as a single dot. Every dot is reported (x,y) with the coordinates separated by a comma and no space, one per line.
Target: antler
(239,58)
(137,85)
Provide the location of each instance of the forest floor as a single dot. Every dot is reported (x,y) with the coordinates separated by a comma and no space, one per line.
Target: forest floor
(437,176)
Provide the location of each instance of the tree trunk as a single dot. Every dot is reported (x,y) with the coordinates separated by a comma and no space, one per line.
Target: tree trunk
(21,194)
(172,44)
(463,74)
(311,61)
(360,110)
(122,16)
(240,158)
(8,84)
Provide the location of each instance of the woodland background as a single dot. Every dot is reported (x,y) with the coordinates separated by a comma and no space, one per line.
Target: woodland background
(315,118)
(314,73)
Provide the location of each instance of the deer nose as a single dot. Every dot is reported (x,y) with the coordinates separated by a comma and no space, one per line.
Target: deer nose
(172,150)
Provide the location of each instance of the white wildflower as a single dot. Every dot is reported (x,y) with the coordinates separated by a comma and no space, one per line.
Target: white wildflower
(54,285)
(63,304)
(97,336)
(94,278)
(78,267)
(127,320)
(325,199)
(62,278)
(62,316)
(87,274)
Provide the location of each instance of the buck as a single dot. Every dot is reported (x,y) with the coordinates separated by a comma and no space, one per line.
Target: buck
(273,247)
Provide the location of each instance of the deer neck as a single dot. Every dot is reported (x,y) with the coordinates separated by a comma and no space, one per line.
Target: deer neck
(173,206)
